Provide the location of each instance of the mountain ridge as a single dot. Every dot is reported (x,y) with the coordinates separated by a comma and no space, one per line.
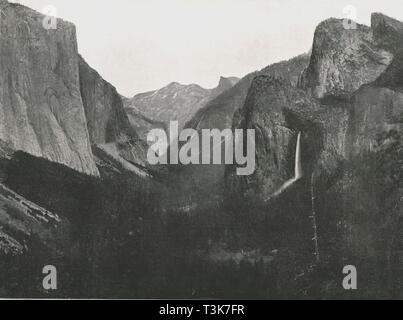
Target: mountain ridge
(176,102)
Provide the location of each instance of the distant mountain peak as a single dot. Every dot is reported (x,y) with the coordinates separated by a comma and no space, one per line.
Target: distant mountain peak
(175,84)
(228,81)
(174,102)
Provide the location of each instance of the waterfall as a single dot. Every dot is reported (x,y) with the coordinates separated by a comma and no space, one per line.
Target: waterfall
(298,173)
(298,166)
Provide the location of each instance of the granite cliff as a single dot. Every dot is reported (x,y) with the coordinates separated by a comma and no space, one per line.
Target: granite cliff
(53,104)
(345,112)
(343,60)
(41,109)
(348,108)
(55,107)
(113,138)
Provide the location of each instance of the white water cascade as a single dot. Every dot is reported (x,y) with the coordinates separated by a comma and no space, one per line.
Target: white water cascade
(298,173)
(298,165)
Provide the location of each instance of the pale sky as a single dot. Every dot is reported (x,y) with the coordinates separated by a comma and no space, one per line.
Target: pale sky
(142,45)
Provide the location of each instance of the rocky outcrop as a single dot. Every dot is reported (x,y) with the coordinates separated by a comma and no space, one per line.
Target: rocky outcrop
(346,120)
(392,78)
(41,109)
(23,222)
(106,118)
(343,60)
(112,136)
(387,32)
(351,119)
(278,112)
(177,102)
(376,108)
(265,112)
(367,197)
(223,85)
(52,103)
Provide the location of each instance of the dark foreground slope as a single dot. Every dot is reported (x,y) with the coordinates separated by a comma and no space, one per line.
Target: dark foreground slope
(123,242)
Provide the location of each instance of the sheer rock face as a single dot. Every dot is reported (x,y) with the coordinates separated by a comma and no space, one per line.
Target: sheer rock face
(351,147)
(111,134)
(387,32)
(278,111)
(376,108)
(337,130)
(369,193)
(103,106)
(267,110)
(41,110)
(368,62)
(343,60)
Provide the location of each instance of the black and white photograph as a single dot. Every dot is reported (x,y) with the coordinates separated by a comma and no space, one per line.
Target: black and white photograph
(201,150)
